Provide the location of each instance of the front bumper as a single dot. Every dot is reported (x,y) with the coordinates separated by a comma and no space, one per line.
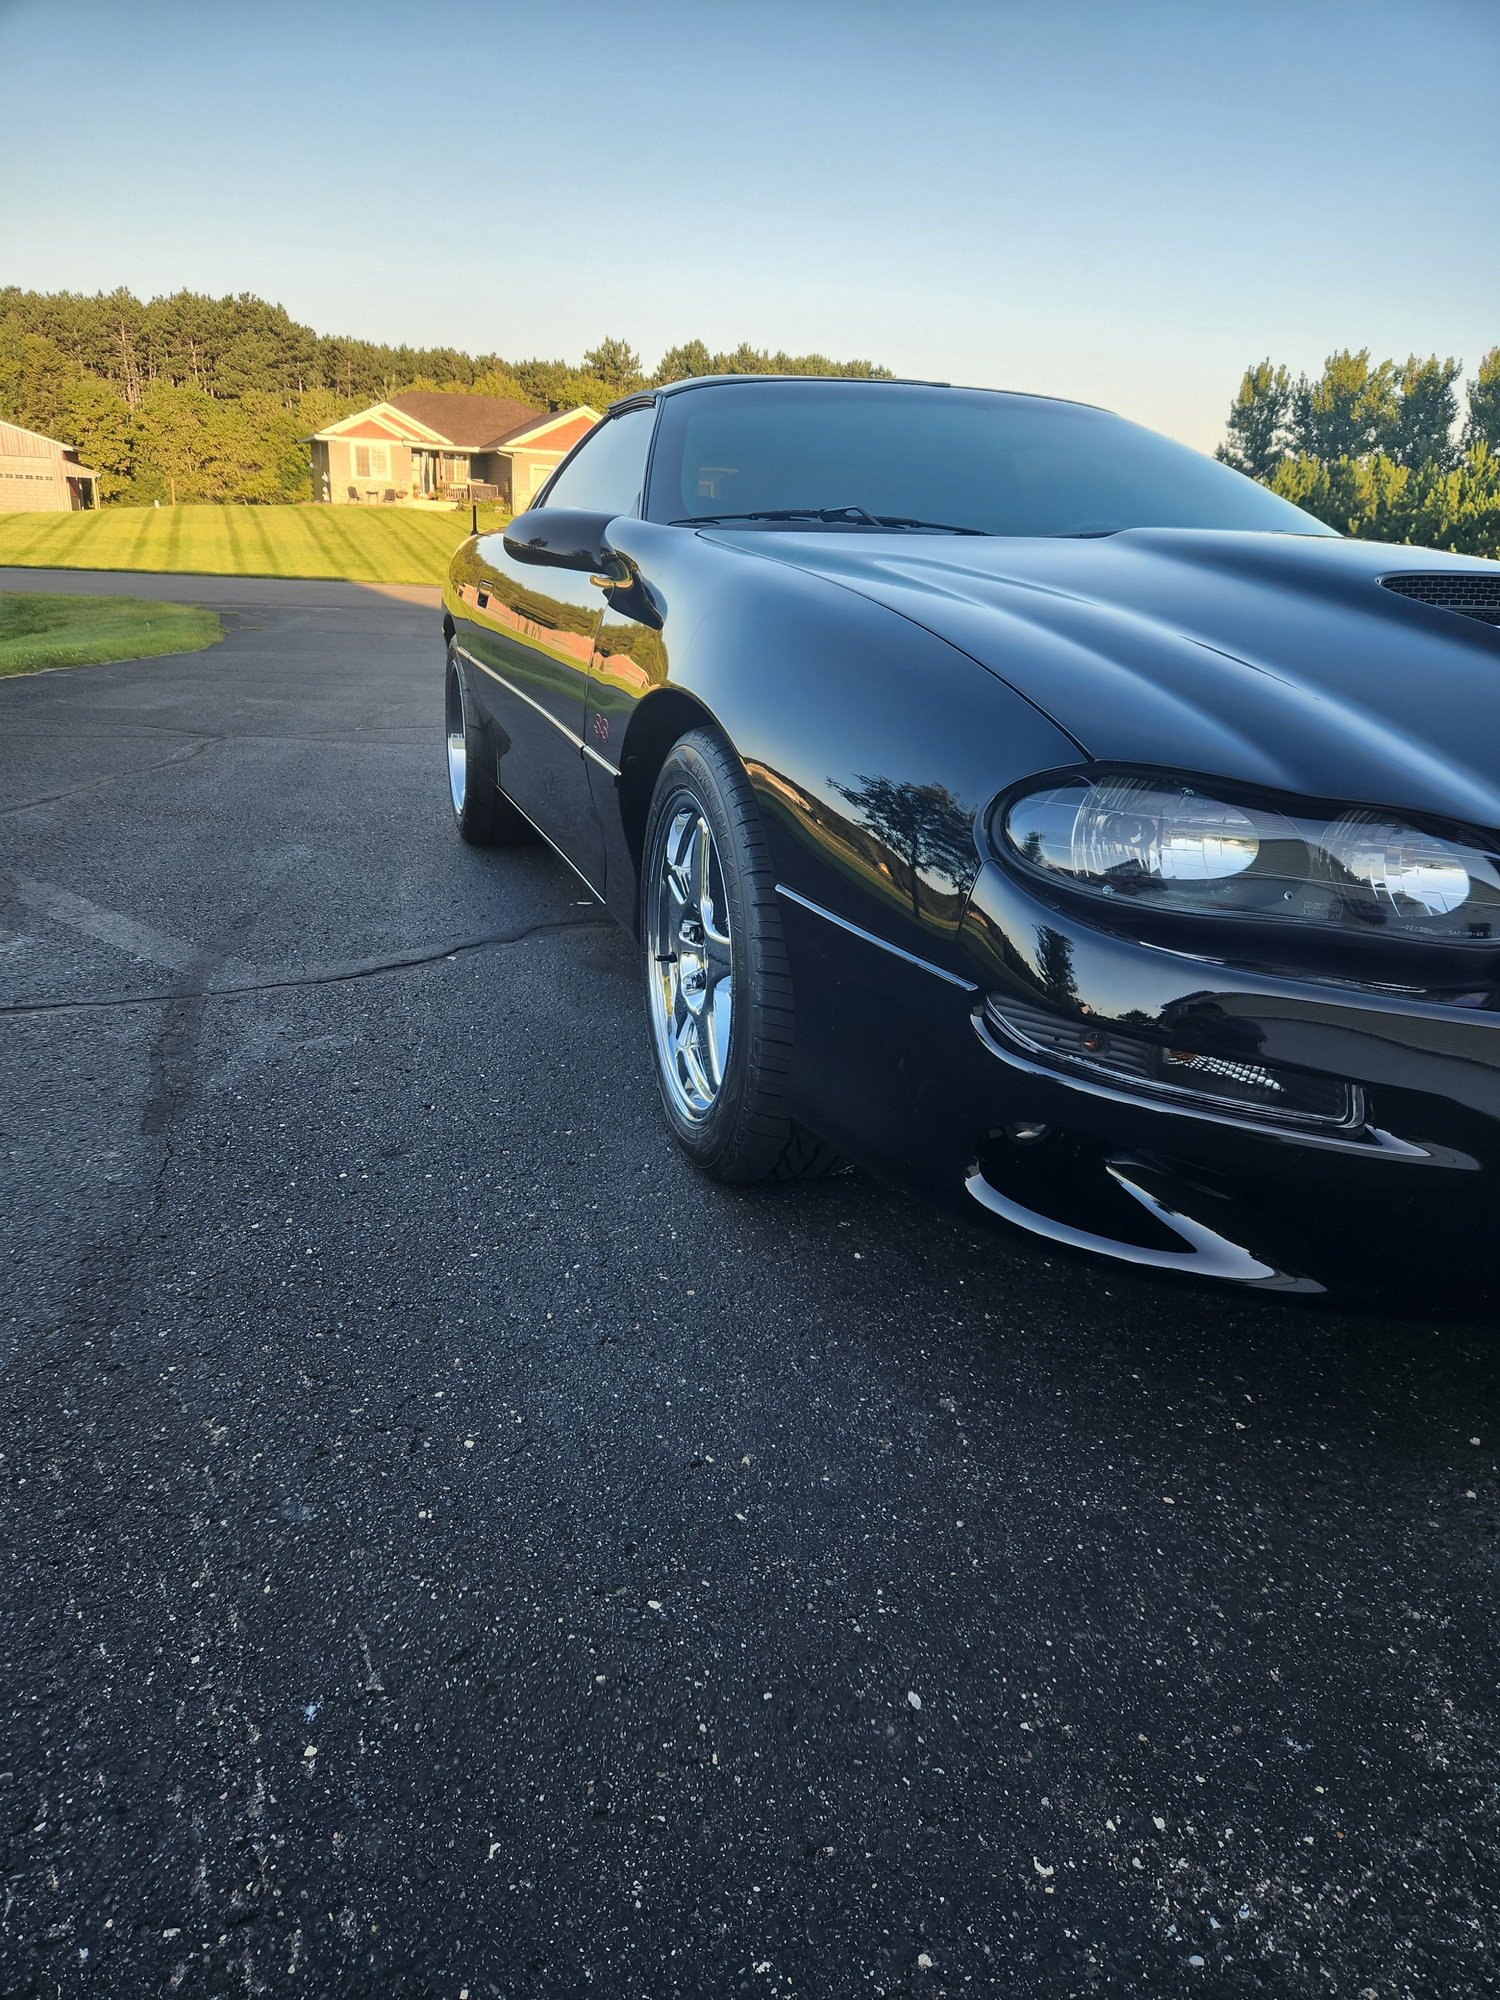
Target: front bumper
(913,1075)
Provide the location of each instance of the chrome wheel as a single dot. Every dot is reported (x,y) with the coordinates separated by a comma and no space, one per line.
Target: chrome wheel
(691,960)
(458,755)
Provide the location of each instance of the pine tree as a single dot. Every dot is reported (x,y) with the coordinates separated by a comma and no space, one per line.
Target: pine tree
(1348,412)
(616,364)
(1483,424)
(1427,413)
(1258,417)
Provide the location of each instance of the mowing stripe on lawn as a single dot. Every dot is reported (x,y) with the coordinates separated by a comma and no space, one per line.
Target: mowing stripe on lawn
(141,555)
(316,529)
(47,533)
(256,529)
(48,529)
(436,541)
(332,551)
(414,537)
(357,557)
(231,531)
(309,540)
(330,557)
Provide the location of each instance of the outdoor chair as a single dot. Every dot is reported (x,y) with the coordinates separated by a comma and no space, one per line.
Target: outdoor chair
(353,496)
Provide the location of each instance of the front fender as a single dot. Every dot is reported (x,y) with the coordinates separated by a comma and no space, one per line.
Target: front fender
(873,746)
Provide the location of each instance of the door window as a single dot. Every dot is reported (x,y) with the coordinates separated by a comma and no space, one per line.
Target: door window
(606,473)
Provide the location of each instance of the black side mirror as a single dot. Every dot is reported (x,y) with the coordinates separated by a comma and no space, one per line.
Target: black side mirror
(562,538)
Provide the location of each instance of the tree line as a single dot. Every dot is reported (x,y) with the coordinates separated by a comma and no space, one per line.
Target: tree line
(194,398)
(1380,449)
(188,397)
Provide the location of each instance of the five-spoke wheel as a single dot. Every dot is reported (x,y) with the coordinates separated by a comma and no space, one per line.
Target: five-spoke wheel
(692,956)
(718,986)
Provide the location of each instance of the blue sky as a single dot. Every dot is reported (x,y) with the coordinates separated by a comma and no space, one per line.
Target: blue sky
(1124,202)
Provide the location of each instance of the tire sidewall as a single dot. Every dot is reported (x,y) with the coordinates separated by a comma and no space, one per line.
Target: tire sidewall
(688,773)
(476,818)
(453,676)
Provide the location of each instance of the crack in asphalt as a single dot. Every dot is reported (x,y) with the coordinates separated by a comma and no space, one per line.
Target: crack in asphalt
(113,778)
(414,733)
(340,975)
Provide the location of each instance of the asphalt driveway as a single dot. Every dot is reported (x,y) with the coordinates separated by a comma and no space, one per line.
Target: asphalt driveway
(448,1548)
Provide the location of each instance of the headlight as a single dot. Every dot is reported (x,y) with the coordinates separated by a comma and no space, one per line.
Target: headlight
(1165,844)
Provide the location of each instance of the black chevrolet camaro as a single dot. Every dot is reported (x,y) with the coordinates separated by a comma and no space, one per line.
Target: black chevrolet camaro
(1023,805)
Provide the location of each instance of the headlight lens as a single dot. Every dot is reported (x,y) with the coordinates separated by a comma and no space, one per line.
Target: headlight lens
(1398,864)
(1166,844)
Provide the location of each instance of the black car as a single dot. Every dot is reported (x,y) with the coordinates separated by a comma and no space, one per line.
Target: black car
(1019,803)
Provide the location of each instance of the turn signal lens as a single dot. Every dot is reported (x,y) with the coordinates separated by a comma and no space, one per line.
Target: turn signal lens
(1239,1083)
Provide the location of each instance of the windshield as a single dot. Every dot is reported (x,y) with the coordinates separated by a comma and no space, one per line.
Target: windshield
(954,459)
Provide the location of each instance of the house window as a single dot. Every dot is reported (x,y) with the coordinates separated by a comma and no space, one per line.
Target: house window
(372,461)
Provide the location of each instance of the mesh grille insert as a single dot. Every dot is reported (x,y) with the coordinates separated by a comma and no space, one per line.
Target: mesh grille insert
(1239,1083)
(1453,590)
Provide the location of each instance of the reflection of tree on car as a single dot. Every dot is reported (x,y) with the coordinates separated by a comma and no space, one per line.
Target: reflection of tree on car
(924,828)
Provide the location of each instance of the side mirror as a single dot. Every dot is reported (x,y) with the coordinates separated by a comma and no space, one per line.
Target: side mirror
(561,538)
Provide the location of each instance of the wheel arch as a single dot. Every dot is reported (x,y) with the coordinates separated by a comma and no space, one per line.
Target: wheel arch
(660,719)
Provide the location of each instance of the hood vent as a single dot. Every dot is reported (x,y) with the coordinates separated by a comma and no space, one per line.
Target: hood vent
(1453,590)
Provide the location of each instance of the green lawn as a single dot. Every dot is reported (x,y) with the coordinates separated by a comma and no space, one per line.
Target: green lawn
(40,631)
(361,544)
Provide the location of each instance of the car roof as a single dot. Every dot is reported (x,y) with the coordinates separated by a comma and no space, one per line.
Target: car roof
(858,381)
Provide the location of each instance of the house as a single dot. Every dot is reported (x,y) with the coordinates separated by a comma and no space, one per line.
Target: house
(434,444)
(38,475)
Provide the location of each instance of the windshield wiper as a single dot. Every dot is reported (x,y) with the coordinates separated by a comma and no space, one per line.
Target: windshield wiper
(926,527)
(833,517)
(854,516)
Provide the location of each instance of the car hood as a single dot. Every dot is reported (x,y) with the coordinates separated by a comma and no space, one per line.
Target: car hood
(1276,660)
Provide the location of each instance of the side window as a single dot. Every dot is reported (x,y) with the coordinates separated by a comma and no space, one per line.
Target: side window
(607,472)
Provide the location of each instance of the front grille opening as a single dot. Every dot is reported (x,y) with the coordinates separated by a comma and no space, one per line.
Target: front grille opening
(1453,590)
(1225,1081)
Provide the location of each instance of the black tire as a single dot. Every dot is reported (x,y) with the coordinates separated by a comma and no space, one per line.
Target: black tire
(482,813)
(745,1133)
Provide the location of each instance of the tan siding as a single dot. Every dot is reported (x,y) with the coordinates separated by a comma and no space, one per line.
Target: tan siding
(32,486)
(33,473)
(529,471)
(375,485)
(16,443)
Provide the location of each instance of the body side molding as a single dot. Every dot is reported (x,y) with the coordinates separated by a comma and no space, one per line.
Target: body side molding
(856,930)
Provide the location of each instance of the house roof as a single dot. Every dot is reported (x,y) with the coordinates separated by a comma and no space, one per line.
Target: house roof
(471,421)
(17,432)
(557,432)
(467,423)
(383,422)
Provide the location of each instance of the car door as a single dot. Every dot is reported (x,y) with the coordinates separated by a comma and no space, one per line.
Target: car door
(531,632)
